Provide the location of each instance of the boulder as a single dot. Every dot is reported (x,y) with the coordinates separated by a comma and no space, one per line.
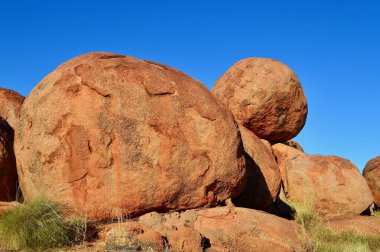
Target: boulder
(263,180)
(371,173)
(8,170)
(110,135)
(10,104)
(366,225)
(294,144)
(332,184)
(265,96)
(228,229)
(130,236)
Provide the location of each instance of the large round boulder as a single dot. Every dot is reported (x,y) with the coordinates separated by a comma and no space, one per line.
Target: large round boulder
(265,96)
(111,135)
(8,171)
(371,173)
(333,185)
(10,104)
(263,180)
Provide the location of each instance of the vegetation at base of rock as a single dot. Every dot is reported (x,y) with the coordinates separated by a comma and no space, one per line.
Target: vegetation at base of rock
(324,239)
(376,213)
(39,225)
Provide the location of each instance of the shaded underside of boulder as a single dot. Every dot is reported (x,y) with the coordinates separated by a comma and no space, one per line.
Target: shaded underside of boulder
(263,180)
(8,170)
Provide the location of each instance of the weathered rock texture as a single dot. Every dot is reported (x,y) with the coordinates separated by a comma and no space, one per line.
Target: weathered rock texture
(294,144)
(111,135)
(10,104)
(264,180)
(265,96)
(367,225)
(333,184)
(8,170)
(5,207)
(371,173)
(225,229)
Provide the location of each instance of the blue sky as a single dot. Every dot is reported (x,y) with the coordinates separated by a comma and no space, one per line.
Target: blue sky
(333,46)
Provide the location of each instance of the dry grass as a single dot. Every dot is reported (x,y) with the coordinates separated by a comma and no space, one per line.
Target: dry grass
(324,239)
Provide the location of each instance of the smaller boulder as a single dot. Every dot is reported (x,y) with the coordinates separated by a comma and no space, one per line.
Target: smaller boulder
(263,174)
(294,144)
(332,184)
(130,236)
(10,104)
(371,173)
(265,96)
(366,225)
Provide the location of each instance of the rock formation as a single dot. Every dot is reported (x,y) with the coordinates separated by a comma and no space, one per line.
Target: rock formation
(371,173)
(263,180)
(111,135)
(10,104)
(8,171)
(265,96)
(332,184)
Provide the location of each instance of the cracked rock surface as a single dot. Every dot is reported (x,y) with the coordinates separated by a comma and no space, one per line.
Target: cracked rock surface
(265,96)
(110,135)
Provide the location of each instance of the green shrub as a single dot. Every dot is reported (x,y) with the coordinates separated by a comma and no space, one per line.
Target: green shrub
(38,225)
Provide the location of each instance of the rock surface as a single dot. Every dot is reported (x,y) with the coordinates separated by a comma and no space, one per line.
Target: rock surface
(333,184)
(264,179)
(367,225)
(10,104)
(294,144)
(226,229)
(111,135)
(8,170)
(265,96)
(7,206)
(371,173)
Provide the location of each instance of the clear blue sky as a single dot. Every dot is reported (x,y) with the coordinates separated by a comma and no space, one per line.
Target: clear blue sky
(333,46)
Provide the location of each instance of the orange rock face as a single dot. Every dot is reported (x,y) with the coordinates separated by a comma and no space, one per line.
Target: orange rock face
(333,184)
(225,229)
(264,180)
(7,206)
(265,96)
(371,173)
(112,135)
(10,104)
(241,229)
(8,171)
(367,225)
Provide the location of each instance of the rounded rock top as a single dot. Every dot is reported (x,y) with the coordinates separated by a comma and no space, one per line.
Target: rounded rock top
(265,96)
(108,134)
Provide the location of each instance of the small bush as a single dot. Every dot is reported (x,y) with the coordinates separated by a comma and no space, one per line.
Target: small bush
(39,225)
(324,239)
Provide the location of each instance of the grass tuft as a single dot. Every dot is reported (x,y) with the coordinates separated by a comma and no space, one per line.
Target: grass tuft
(39,225)
(324,239)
